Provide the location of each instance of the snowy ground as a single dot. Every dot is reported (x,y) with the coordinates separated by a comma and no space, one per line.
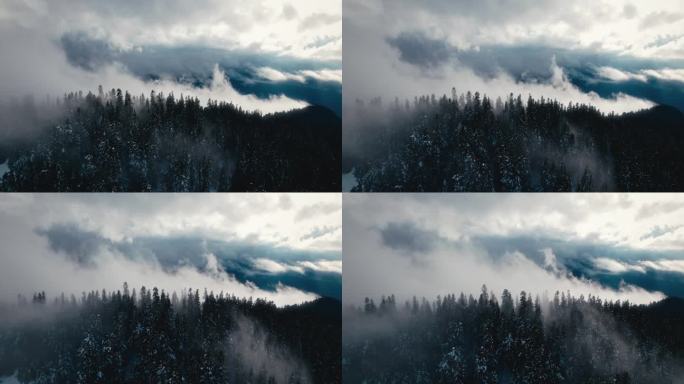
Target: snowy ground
(348,181)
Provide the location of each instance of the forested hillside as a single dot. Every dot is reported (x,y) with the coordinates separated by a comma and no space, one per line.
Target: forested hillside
(116,142)
(523,340)
(471,143)
(154,337)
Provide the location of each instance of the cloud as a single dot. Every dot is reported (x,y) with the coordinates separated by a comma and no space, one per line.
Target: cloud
(408,237)
(331,266)
(659,231)
(275,267)
(615,74)
(418,49)
(318,19)
(319,232)
(78,245)
(275,75)
(665,265)
(585,244)
(407,49)
(258,25)
(666,74)
(615,266)
(657,208)
(23,71)
(309,211)
(289,12)
(331,75)
(659,18)
(169,47)
(629,11)
(73,243)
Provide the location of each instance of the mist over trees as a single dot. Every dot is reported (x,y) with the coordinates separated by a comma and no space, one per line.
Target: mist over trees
(459,339)
(469,142)
(154,337)
(117,142)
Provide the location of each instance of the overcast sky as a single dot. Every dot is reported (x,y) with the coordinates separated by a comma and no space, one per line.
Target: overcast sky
(616,246)
(619,55)
(287,53)
(282,247)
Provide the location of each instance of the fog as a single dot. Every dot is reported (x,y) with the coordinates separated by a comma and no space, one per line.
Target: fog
(255,350)
(103,245)
(407,49)
(35,62)
(429,244)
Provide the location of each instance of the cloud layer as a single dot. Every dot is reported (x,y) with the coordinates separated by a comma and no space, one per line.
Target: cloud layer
(208,49)
(566,50)
(431,244)
(73,243)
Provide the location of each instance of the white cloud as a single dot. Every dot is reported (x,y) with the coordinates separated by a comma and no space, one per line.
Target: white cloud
(334,266)
(272,266)
(237,217)
(616,266)
(276,75)
(615,74)
(666,74)
(665,265)
(271,74)
(324,74)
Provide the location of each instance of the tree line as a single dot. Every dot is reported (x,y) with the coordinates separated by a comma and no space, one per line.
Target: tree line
(469,142)
(153,337)
(117,142)
(459,339)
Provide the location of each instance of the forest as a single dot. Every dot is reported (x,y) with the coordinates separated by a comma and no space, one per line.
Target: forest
(117,142)
(472,143)
(564,339)
(153,337)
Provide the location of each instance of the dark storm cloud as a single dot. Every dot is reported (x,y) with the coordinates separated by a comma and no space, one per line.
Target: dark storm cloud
(418,49)
(409,238)
(80,246)
(86,52)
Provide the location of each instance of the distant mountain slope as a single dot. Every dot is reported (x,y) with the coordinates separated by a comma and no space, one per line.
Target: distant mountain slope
(471,143)
(115,142)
